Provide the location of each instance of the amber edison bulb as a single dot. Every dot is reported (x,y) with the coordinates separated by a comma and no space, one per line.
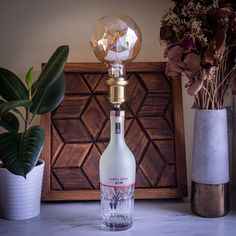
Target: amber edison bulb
(116,40)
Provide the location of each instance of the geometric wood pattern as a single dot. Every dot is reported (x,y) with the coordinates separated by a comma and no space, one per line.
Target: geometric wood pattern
(77,132)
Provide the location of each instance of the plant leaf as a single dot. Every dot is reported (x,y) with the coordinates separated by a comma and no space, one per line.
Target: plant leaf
(20,151)
(29,77)
(7,106)
(11,87)
(47,99)
(53,68)
(10,122)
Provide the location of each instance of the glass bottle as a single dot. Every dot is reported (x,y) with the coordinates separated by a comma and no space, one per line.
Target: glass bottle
(117,169)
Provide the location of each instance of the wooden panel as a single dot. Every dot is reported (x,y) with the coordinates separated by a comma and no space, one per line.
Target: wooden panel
(168,177)
(136,93)
(90,166)
(94,118)
(72,178)
(76,85)
(71,107)
(136,133)
(152,165)
(154,104)
(166,149)
(72,131)
(156,127)
(155,85)
(72,155)
(78,132)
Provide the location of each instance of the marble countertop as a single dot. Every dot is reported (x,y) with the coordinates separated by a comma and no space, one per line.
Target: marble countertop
(152,217)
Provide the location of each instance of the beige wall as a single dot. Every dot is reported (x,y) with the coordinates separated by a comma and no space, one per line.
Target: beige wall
(31,30)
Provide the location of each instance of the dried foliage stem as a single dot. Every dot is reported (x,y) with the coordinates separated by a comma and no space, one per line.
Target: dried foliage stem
(215,88)
(224,80)
(201,46)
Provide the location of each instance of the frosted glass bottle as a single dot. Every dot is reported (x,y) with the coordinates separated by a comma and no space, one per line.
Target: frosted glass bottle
(117,170)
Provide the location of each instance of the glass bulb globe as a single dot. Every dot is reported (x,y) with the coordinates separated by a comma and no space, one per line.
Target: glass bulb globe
(116,41)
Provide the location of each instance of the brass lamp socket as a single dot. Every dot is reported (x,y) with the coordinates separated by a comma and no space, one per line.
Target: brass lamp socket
(116,90)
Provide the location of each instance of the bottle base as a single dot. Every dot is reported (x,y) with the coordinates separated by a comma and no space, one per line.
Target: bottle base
(116,227)
(116,223)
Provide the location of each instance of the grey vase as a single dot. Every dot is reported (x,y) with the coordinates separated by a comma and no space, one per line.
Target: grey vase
(210,165)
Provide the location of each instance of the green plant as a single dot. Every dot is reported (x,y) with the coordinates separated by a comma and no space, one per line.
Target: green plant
(20,151)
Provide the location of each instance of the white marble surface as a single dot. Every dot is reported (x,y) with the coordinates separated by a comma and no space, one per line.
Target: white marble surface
(155,217)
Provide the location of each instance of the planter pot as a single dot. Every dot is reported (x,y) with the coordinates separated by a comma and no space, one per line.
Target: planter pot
(20,197)
(210,166)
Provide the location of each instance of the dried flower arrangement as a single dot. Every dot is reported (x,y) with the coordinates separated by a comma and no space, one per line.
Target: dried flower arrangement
(200,38)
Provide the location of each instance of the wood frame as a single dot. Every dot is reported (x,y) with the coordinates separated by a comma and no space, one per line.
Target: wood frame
(179,191)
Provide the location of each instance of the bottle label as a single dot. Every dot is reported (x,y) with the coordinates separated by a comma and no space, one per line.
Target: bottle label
(117,185)
(117,182)
(117,128)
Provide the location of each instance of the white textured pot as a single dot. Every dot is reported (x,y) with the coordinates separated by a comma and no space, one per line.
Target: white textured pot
(19,197)
(210,165)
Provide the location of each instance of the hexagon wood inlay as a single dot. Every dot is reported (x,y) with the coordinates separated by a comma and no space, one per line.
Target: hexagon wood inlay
(80,130)
(93,118)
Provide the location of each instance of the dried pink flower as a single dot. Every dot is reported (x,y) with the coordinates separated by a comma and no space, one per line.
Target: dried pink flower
(192,62)
(224,12)
(178,66)
(203,75)
(208,56)
(175,53)
(171,73)
(188,44)
(195,87)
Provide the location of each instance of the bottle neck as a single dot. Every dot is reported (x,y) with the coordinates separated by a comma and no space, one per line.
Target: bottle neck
(116,70)
(117,128)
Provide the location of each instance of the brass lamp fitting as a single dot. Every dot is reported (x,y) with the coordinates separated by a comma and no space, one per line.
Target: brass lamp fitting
(116,91)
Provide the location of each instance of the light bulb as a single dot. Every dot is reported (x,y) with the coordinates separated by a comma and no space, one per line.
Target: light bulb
(116,41)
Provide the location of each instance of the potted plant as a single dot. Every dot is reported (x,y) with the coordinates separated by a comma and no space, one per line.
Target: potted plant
(21,171)
(201,46)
